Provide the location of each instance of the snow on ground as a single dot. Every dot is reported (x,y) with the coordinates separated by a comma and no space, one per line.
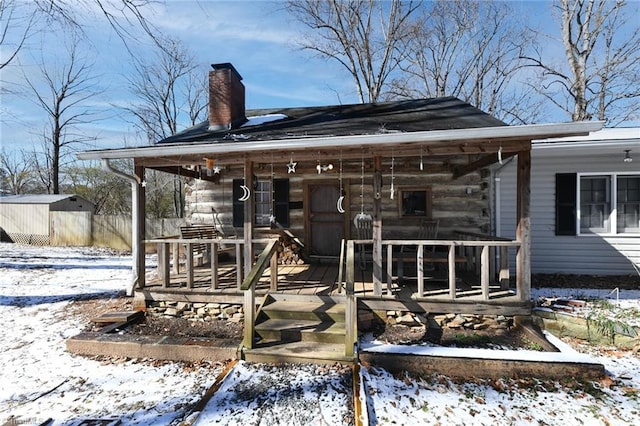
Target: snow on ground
(40,380)
(258,394)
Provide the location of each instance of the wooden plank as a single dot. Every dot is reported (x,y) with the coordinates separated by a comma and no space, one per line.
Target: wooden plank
(273,270)
(484,272)
(163,264)
(118,316)
(503,276)
(189,266)
(377,226)
(523,227)
(351,333)
(420,269)
(452,272)
(390,270)
(214,266)
(249,211)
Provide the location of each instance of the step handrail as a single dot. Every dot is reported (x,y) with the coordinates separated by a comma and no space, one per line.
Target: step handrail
(351,310)
(267,258)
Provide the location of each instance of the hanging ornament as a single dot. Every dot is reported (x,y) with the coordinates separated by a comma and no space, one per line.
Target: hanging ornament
(272,218)
(325,168)
(500,156)
(291,167)
(339,205)
(246,193)
(393,177)
(421,162)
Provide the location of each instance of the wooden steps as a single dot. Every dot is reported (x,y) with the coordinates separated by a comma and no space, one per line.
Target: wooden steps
(300,329)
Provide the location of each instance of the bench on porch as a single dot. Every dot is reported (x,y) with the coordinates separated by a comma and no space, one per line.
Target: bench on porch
(199,250)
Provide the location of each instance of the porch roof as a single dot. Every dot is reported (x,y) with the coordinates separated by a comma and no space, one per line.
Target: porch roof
(481,140)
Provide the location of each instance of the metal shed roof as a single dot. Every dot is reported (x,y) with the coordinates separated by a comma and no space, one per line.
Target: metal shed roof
(37,198)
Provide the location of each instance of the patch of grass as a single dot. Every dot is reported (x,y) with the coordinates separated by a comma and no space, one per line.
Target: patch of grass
(474,339)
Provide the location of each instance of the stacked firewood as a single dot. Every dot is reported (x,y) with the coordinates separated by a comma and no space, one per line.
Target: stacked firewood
(290,252)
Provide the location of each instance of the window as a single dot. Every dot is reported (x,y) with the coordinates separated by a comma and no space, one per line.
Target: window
(628,204)
(598,204)
(415,202)
(595,204)
(268,201)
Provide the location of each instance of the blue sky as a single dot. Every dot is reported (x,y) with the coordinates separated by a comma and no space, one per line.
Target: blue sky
(256,36)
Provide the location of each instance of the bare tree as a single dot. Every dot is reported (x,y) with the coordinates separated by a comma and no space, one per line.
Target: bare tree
(18,19)
(600,78)
(17,173)
(170,89)
(104,189)
(471,50)
(63,94)
(363,36)
(16,25)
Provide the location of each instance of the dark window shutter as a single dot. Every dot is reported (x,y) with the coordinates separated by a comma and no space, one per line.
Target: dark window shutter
(566,190)
(281,201)
(238,206)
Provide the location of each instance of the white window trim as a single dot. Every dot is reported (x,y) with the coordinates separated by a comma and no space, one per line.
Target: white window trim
(613,214)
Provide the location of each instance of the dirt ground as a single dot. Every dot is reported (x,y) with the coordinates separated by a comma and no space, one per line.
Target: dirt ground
(398,334)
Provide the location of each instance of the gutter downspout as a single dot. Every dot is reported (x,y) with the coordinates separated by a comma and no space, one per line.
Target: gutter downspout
(135,245)
(497,199)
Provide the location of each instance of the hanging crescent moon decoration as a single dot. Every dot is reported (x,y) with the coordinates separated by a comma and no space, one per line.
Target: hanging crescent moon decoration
(246,193)
(339,204)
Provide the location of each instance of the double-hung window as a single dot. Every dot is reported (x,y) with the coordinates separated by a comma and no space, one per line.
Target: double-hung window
(595,204)
(604,203)
(628,204)
(271,202)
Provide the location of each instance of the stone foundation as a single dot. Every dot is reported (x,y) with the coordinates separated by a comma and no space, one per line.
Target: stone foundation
(197,311)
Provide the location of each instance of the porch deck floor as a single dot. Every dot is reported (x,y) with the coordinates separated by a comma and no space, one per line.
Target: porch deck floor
(319,279)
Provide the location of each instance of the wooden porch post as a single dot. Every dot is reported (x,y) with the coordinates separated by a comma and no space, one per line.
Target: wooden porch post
(248,218)
(139,214)
(377,226)
(523,230)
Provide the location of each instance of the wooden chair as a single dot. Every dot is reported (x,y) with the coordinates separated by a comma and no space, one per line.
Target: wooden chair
(428,231)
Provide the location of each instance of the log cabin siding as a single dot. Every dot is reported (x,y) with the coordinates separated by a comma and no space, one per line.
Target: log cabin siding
(460,204)
(550,253)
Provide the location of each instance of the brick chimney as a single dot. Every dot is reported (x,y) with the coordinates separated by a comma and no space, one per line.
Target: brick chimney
(226,97)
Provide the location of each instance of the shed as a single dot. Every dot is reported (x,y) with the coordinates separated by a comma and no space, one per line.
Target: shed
(46,219)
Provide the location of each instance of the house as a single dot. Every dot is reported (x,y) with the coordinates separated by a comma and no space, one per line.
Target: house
(352,185)
(585,203)
(46,219)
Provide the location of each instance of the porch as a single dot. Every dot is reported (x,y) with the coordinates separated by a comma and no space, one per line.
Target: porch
(437,275)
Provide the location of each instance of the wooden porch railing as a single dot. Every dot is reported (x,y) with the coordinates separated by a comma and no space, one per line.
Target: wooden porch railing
(501,255)
(267,259)
(448,257)
(476,253)
(168,250)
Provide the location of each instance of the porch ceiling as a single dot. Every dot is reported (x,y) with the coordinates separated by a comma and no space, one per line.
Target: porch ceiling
(476,141)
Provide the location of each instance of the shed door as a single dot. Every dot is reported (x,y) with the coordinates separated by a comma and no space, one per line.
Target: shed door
(325,225)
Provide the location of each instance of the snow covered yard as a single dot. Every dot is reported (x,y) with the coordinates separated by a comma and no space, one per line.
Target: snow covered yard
(41,381)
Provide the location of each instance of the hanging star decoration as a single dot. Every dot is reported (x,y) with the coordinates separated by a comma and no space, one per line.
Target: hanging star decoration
(216,170)
(272,218)
(291,167)
(143,183)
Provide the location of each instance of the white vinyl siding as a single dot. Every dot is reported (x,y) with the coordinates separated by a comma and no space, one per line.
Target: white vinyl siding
(590,254)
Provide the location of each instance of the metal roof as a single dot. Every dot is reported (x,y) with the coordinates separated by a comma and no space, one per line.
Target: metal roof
(36,198)
(347,120)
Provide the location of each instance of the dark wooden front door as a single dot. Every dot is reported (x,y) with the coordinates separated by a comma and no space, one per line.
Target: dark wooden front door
(325,225)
